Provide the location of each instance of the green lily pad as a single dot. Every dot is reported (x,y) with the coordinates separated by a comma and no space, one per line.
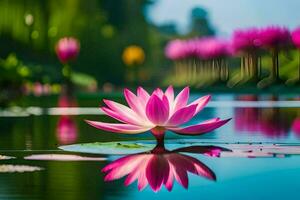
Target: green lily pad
(109,148)
(236,149)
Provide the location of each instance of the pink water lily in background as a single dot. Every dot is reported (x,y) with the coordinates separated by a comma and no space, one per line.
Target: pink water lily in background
(176,49)
(275,36)
(245,40)
(67,49)
(212,48)
(296,37)
(157,112)
(161,167)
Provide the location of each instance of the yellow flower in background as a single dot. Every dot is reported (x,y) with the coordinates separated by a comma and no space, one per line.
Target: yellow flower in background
(133,55)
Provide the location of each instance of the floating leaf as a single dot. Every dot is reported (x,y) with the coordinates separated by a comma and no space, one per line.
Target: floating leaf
(62,157)
(2,157)
(115,148)
(233,149)
(18,168)
(261,150)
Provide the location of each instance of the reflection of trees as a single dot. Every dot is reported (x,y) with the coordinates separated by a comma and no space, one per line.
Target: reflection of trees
(271,122)
(59,180)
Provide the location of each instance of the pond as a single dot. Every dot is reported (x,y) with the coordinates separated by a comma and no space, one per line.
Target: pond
(254,156)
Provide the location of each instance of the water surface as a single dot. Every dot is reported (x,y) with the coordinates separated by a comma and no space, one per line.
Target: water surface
(256,119)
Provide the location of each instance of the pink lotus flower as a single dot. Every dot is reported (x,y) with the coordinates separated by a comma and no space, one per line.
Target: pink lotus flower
(182,49)
(161,166)
(246,40)
(157,112)
(67,49)
(37,89)
(203,48)
(212,48)
(296,37)
(274,36)
(176,49)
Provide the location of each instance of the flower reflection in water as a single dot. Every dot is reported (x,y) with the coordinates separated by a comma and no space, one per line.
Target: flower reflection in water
(269,122)
(66,131)
(161,166)
(296,126)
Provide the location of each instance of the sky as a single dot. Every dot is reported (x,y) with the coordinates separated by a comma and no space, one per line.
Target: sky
(227,15)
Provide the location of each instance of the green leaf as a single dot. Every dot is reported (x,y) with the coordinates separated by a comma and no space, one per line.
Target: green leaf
(110,148)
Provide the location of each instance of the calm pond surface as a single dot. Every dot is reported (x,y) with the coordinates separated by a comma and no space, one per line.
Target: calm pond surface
(257,120)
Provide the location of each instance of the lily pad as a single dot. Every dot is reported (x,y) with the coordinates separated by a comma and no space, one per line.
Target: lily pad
(2,157)
(109,148)
(18,168)
(250,150)
(62,157)
(262,150)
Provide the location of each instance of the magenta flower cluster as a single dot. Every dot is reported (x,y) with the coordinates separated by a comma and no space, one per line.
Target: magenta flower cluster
(203,48)
(296,37)
(242,40)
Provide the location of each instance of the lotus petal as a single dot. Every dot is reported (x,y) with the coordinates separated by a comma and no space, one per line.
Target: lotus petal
(121,117)
(143,95)
(122,113)
(181,99)
(135,104)
(201,128)
(121,161)
(157,171)
(182,115)
(170,95)
(158,92)
(201,103)
(123,169)
(169,181)
(142,180)
(118,128)
(196,167)
(157,111)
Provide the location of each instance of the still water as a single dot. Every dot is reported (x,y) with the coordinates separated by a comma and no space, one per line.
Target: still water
(257,120)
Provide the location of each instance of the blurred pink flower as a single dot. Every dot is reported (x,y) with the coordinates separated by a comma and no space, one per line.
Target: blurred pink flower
(211,48)
(37,89)
(176,49)
(157,112)
(296,37)
(160,166)
(246,40)
(203,48)
(274,36)
(67,49)
(46,89)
